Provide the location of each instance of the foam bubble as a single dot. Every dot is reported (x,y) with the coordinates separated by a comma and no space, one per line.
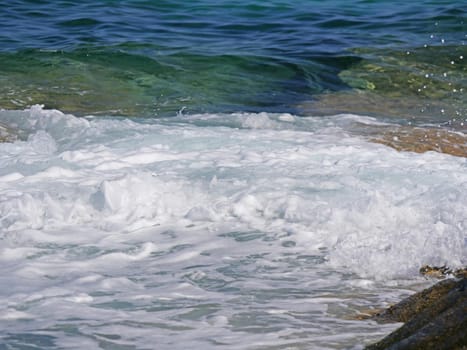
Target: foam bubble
(220,220)
(11,315)
(341,193)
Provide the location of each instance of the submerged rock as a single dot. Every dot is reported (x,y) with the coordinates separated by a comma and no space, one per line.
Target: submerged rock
(425,84)
(431,72)
(435,318)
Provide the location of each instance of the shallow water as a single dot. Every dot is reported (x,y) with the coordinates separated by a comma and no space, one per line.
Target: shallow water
(154,58)
(201,175)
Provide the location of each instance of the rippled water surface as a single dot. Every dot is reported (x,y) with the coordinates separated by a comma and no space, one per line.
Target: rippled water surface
(154,58)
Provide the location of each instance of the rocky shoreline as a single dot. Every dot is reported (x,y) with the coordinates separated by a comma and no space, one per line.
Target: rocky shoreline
(435,318)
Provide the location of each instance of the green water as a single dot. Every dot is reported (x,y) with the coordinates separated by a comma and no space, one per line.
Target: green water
(116,82)
(154,58)
(426,84)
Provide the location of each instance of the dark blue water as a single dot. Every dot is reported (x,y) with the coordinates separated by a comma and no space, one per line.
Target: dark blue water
(155,58)
(286,29)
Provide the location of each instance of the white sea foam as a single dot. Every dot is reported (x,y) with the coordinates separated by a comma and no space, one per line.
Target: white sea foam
(247,223)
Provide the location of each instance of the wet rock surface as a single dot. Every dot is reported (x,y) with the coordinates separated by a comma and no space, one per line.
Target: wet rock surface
(370,103)
(435,318)
(421,140)
(449,140)
(7,134)
(441,272)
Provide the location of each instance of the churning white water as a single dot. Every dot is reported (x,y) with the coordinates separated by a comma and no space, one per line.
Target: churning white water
(239,231)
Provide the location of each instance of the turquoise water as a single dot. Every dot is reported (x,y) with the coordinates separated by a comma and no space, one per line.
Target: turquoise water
(202,175)
(155,58)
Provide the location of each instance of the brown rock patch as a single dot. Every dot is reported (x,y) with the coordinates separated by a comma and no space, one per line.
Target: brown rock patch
(415,139)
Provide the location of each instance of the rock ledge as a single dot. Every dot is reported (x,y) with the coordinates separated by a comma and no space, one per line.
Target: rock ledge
(435,318)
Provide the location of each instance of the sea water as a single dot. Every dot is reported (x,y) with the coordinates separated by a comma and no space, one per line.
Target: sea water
(179,177)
